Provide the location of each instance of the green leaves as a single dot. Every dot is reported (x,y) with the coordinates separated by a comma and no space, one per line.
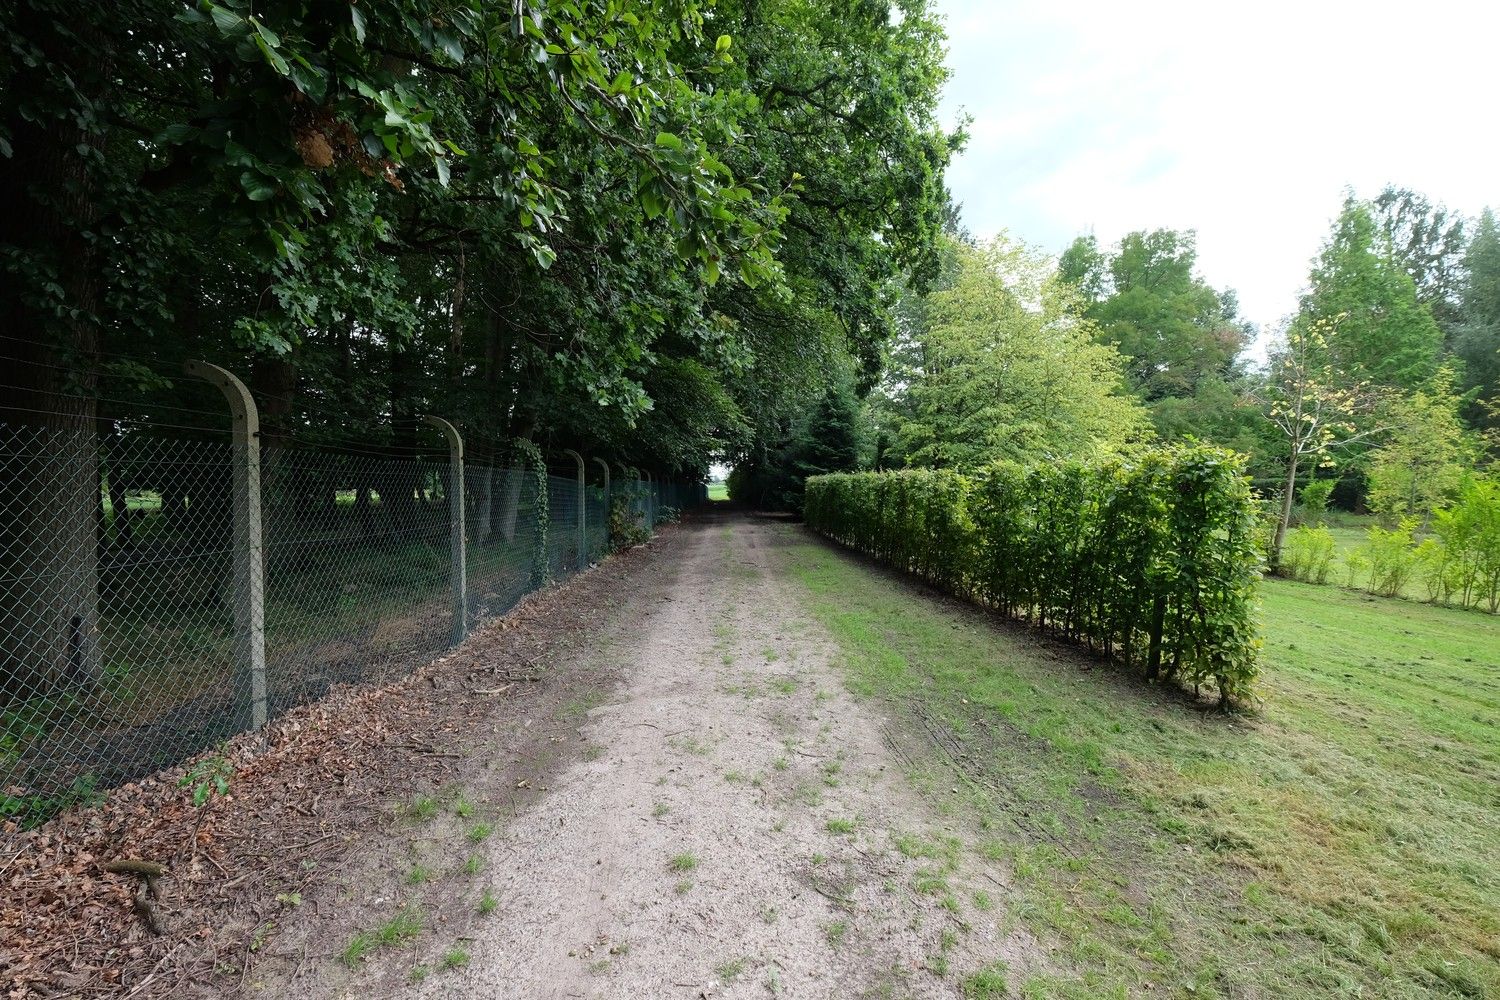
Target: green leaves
(1154,562)
(256,187)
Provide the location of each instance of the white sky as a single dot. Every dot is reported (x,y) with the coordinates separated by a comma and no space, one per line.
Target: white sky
(1244,121)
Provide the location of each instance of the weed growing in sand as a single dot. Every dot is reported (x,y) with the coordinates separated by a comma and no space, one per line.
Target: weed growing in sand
(456,957)
(684,862)
(842,825)
(423,807)
(488,903)
(479,831)
(402,927)
(731,970)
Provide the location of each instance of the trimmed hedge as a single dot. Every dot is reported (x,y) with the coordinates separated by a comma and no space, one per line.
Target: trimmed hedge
(1151,562)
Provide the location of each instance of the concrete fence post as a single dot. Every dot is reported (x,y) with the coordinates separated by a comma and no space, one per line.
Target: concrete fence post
(457,555)
(650,502)
(247,546)
(583,507)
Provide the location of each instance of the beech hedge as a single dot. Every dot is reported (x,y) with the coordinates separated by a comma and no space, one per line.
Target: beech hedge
(1152,562)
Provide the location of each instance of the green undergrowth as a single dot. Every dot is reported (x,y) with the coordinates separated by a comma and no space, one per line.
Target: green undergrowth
(1336,842)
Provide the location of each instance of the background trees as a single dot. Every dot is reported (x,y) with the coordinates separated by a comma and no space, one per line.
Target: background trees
(1381,331)
(1476,338)
(1144,297)
(1002,363)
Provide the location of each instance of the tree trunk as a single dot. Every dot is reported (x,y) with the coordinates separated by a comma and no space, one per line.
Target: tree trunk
(49,452)
(480,478)
(1274,556)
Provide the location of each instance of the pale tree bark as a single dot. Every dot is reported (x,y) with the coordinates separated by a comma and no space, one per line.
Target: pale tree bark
(1274,557)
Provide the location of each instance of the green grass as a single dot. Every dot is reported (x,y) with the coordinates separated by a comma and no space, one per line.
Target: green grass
(488,903)
(402,927)
(718,491)
(731,970)
(987,984)
(842,825)
(1338,842)
(684,862)
(423,807)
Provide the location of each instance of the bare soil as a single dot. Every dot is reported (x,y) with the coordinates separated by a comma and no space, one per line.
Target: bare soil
(685,802)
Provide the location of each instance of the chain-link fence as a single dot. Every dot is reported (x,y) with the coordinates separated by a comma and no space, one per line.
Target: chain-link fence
(136,628)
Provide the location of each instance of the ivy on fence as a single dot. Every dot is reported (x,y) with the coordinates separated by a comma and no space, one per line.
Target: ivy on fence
(1151,562)
(531,458)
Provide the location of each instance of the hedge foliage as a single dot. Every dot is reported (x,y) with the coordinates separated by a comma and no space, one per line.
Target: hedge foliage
(1152,562)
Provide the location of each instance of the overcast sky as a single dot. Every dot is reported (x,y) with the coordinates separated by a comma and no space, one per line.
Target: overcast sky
(1243,121)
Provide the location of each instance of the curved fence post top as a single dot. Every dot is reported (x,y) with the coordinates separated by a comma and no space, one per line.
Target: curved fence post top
(241,403)
(577,458)
(247,547)
(455,440)
(605,466)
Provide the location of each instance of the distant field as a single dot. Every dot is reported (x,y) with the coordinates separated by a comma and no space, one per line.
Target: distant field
(1340,841)
(718,491)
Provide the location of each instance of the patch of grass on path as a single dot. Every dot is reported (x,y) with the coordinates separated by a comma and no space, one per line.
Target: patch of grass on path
(1339,842)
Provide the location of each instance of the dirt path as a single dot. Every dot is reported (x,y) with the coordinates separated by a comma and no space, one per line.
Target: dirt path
(732,824)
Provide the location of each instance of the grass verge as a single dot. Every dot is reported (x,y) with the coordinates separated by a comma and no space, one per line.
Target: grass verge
(1337,842)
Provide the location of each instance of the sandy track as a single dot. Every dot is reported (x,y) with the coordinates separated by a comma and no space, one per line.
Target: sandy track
(736,824)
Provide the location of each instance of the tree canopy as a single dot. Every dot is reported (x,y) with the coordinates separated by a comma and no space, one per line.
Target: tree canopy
(1380,330)
(1145,297)
(639,228)
(1001,363)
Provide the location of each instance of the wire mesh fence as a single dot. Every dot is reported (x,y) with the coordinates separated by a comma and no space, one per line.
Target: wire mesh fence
(125,636)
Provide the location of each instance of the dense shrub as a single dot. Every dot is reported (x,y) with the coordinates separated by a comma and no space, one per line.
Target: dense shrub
(1460,562)
(1390,557)
(1152,562)
(1307,554)
(1312,502)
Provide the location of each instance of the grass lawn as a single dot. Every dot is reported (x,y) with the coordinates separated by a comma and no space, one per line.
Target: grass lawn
(718,491)
(1341,841)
